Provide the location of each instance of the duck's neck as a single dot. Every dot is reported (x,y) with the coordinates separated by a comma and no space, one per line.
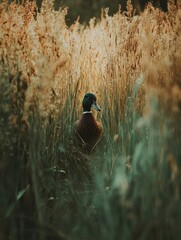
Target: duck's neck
(85,112)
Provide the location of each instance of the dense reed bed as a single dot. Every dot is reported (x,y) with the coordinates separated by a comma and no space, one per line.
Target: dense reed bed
(129,188)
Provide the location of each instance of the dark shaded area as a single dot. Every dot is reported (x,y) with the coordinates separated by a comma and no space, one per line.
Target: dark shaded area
(140,4)
(85,10)
(92,8)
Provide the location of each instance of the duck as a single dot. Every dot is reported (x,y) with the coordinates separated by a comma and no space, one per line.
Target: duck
(88,130)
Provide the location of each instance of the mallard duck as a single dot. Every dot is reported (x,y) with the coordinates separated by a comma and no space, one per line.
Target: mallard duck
(88,129)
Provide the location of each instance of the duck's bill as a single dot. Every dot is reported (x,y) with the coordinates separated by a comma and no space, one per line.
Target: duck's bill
(96,107)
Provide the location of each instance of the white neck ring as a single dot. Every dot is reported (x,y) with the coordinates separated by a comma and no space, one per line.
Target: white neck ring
(87,112)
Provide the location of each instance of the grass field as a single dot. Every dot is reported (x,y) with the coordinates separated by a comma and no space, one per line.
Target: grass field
(130,187)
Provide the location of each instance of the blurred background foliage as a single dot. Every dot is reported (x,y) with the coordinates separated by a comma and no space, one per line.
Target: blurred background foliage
(86,9)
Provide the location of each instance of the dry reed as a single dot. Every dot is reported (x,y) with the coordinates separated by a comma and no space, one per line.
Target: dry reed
(104,57)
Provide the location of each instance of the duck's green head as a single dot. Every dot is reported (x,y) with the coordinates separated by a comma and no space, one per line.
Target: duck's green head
(90,101)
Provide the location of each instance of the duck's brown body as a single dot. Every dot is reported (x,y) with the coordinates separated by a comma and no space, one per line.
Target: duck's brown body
(88,130)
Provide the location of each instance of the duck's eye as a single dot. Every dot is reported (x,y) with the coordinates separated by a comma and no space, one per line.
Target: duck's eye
(92,100)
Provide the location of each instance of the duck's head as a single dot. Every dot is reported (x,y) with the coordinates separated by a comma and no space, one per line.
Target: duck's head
(90,101)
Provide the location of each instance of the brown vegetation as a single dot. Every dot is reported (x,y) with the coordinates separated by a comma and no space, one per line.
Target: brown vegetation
(105,57)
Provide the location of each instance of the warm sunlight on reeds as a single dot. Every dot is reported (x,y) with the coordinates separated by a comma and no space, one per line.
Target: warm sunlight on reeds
(105,57)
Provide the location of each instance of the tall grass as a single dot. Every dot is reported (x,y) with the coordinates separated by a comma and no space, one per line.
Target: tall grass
(129,188)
